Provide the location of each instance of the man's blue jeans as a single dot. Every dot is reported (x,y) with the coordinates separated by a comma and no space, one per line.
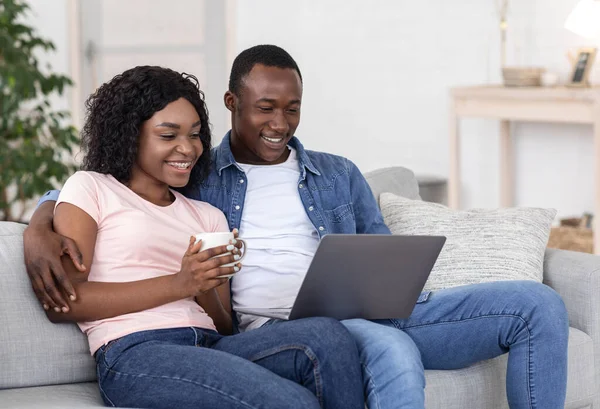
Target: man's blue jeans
(307,363)
(457,327)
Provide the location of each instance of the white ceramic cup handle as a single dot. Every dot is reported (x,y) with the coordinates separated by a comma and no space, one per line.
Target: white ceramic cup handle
(245,249)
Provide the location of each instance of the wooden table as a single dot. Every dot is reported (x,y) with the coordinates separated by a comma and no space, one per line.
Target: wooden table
(531,104)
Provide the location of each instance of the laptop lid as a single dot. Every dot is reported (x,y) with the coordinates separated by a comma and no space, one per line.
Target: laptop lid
(366,276)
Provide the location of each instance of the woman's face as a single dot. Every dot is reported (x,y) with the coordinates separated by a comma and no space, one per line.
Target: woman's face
(170,145)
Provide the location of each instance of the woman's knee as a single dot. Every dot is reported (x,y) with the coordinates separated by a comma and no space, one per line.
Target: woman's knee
(327,333)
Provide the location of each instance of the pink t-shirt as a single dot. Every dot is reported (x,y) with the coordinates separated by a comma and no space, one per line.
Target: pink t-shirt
(138,240)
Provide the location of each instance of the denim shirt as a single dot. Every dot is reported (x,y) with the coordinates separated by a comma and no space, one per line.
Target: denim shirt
(335,195)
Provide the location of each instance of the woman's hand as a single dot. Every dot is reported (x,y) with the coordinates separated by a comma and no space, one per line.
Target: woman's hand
(201,271)
(238,244)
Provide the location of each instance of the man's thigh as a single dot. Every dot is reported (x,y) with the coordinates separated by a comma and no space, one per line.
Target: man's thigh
(463,325)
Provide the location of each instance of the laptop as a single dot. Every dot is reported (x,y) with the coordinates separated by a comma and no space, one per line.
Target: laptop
(367,276)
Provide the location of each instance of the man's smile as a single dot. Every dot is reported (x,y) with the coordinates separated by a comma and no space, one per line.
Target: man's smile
(276,140)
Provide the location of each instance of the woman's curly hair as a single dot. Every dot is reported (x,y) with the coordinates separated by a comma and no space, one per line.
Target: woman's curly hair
(116,111)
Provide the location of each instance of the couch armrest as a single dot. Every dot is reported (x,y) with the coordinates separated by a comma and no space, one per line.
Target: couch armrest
(576,277)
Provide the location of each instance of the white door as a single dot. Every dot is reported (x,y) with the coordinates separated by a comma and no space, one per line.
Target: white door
(184,35)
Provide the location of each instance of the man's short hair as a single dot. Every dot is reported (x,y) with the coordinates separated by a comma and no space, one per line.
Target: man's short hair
(268,55)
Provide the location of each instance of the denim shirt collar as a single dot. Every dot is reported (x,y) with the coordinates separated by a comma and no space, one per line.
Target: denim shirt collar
(224,156)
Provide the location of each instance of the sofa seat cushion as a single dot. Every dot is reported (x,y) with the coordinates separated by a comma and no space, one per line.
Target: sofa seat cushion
(69,396)
(483,385)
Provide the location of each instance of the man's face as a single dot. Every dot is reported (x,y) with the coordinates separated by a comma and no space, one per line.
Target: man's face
(265,115)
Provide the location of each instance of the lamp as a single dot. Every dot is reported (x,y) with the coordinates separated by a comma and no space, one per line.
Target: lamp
(502,9)
(584,20)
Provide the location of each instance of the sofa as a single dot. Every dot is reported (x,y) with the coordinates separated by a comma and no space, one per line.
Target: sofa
(45,365)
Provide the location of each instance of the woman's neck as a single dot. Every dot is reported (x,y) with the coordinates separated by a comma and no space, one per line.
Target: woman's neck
(150,189)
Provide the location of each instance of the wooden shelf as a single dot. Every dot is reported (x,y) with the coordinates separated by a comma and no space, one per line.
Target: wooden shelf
(527,104)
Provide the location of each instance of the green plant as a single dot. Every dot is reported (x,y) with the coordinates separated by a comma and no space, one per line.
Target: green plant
(36,143)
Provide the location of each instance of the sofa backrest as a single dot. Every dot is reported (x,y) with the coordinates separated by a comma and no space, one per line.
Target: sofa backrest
(33,351)
(397,180)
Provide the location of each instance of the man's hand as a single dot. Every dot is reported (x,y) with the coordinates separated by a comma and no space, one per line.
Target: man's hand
(43,251)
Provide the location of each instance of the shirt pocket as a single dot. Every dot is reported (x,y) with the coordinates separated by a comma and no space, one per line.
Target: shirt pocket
(340,214)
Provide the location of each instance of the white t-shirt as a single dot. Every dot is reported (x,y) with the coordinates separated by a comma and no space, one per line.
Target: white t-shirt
(281,240)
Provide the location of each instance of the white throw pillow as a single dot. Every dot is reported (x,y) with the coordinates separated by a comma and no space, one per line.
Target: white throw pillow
(482,245)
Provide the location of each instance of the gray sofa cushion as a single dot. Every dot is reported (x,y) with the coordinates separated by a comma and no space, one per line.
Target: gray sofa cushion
(397,180)
(33,350)
(73,396)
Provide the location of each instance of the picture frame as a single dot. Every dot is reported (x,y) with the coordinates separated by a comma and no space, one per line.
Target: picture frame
(582,65)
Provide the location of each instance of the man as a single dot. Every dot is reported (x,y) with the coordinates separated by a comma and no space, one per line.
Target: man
(284,198)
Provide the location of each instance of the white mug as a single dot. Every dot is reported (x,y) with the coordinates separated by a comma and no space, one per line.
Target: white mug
(215,239)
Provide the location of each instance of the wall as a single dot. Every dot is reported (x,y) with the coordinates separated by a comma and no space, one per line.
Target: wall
(184,35)
(50,19)
(377,75)
(376,79)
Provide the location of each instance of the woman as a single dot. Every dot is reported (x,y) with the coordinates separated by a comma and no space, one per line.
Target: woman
(153,311)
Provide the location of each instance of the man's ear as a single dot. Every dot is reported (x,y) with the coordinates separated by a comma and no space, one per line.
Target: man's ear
(230,100)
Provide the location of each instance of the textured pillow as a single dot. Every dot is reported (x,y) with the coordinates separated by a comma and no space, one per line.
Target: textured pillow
(482,245)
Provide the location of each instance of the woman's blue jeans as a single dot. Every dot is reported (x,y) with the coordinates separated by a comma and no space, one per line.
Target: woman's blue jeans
(308,363)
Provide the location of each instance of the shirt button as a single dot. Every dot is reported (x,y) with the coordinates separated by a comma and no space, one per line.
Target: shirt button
(300,185)
(241,180)
(310,209)
(237,207)
(321,228)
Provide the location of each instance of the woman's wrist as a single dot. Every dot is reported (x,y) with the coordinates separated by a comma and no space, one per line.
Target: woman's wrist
(209,296)
(178,287)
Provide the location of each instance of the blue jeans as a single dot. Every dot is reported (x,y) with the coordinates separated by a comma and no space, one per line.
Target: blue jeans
(308,363)
(458,327)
